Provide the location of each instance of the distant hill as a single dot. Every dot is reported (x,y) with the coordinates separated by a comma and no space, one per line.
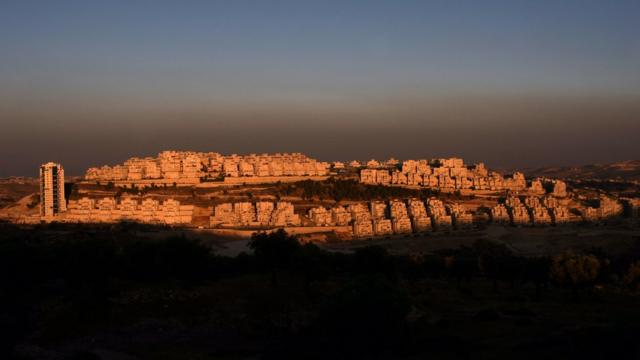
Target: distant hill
(623,170)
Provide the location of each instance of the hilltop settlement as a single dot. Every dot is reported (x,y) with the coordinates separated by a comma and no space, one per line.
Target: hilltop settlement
(307,196)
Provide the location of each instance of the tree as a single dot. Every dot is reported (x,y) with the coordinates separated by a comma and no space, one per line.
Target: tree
(433,265)
(312,263)
(536,271)
(575,270)
(461,263)
(497,262)
(367,316)
(632,278)
(274,250)
(461,266)
(373,260)
(177,258)
(507,268)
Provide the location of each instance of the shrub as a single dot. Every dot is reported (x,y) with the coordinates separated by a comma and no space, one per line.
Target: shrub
(575,270)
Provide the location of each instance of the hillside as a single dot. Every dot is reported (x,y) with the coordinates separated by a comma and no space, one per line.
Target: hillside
(15,188)
(623,170)
(25,206)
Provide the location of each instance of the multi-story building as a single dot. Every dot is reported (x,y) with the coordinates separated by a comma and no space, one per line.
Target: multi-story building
(52,200)
(460,217)
(340,216)
(363,228)
(500,214)
(382,227)
(320,216)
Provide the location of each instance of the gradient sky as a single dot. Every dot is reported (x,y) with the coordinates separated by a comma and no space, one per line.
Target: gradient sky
(512,83)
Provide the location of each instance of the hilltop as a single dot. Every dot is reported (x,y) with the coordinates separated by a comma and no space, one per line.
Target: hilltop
(623,170)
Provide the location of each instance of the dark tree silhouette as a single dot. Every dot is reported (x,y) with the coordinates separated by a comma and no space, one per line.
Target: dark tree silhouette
(312,263)
(366,316)
(373,260)
(536,271)
(498,262)
(632,277)
(274,250)
(574,270)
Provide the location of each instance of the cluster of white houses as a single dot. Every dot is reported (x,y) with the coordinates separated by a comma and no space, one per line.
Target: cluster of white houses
(53,205)
(247,214)
(532,211)
(606,207)
(395,217)
(452,174)
(146,210)
(187,167)
(377,218)
(547,210)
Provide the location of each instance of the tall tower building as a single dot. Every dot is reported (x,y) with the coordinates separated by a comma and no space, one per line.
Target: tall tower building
(52,201)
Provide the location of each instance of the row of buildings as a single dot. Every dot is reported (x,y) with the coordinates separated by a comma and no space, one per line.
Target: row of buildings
(395,217)
(548,210)
(189,167)
(366,219)
(53,205)
(605,207)
(533,210)
(452,174)
(146,210)
(248,214)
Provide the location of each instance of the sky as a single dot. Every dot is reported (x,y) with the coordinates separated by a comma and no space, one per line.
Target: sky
(512,83)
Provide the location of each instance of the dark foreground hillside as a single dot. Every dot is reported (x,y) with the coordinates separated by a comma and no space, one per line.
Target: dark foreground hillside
(113,293)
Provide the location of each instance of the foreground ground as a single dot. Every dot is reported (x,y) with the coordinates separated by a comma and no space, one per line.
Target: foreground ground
(125,292)
(244,317)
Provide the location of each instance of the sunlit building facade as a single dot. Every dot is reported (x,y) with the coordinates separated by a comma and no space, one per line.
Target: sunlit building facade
(52,200)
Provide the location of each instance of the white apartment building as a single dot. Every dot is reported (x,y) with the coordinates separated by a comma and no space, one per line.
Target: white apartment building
(52,201)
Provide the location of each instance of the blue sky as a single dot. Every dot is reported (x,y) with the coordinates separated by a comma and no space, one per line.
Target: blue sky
(111,63)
